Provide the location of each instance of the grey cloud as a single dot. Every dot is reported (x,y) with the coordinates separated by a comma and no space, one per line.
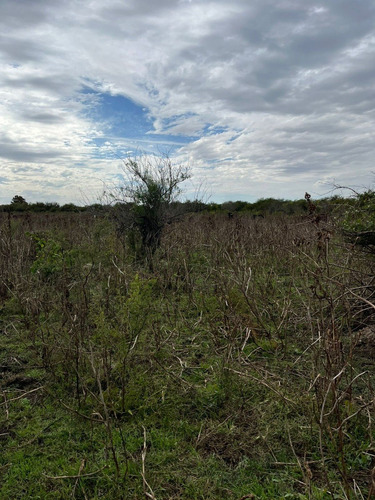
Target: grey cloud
(13,153)
(53,83)
(135,8)
(47,118)
(20,14)
(13,48)
(17,152)
(280,52)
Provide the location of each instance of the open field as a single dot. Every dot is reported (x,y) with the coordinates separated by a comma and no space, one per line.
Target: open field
(238,363)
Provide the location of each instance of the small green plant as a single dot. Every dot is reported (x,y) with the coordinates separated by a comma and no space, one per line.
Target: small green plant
(358,221)
(49,256)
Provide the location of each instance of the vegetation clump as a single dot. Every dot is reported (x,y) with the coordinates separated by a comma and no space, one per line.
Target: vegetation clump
(145,203)
(359,219)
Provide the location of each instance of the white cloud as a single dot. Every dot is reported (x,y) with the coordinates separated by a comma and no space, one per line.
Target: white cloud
(289,83)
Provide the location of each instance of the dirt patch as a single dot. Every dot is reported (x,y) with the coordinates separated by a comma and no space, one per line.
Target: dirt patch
(19,381)
(230,446)
(11,365)
(5,434)
(366,342)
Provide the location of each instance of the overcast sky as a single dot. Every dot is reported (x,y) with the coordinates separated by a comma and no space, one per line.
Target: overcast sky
(261,97)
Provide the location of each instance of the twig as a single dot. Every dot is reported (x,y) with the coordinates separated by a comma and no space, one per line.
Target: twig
(107,421)
(134,344)
(327,393)
(40,433)
(150,493)
(306,472)
(353,415)
(76,475)
(20,397)
(209,433)
(357,490)
(372,306)
(6,405)
(286,463)
(248,333)
(199,435)
(263,383)
(82,415)
(307,348)
(81,467)
(343,395)
(372,489)
(118,269)
(169,372)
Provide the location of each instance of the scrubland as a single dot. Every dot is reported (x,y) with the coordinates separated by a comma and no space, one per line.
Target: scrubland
(236,362)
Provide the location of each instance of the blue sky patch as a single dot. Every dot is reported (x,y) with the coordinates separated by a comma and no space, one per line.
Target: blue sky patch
(126,125)
(122,116)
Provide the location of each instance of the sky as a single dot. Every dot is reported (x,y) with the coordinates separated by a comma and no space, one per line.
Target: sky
(259,98)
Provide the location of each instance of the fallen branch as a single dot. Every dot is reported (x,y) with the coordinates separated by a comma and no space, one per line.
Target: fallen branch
(20,397)
(263,383)
(81,414)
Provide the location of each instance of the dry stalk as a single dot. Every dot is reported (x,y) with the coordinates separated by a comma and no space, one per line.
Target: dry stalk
(211,432)
(305,470)
(81,467)
(82,415)
(77,476)
(6,405)
(357,490)
(371,493)
(107,420)
(262,382)
(146,487)
(19,397)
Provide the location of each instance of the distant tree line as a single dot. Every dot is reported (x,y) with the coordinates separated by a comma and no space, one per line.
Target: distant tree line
(19,204)
(263,206)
